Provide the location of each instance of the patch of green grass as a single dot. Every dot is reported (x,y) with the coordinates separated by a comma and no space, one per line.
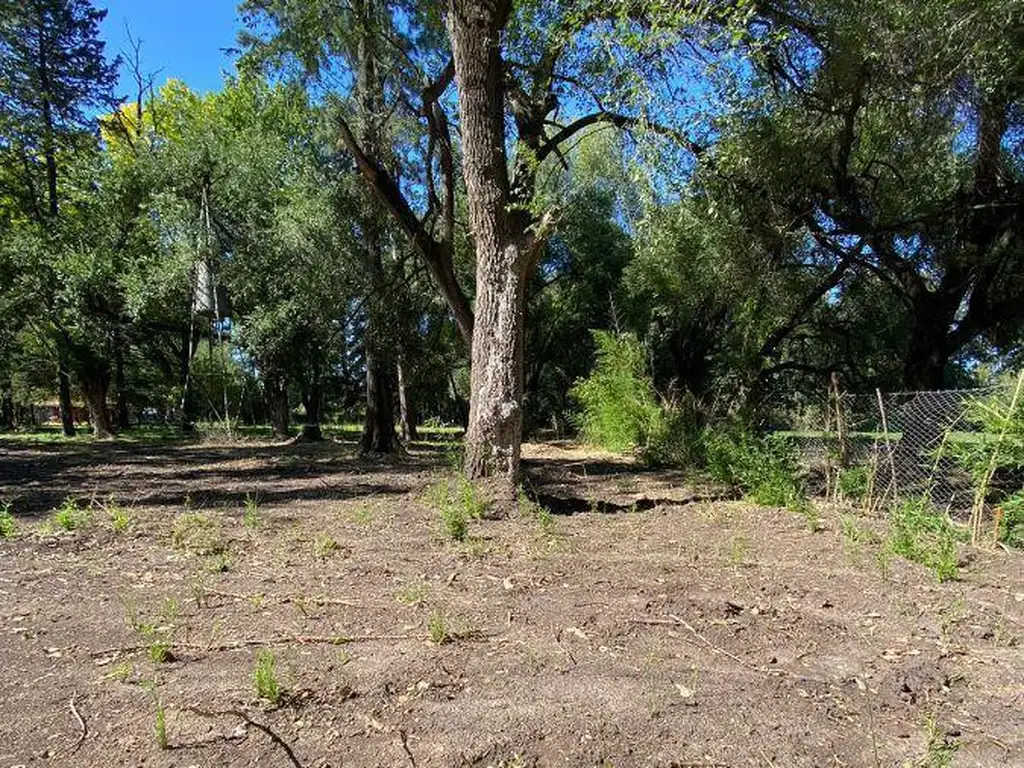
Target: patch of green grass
(251,513)
(198,534)
(414,594)
(437,626)
(922,534)
(548,530)
(160,729)
(457,501)
(121,672)
(856,536)
(806,509)
(159,651)
(69,516)
(854,483)
(364,515)
(221,562)
(120,519)
(264,677)
(324,546)
(7,525)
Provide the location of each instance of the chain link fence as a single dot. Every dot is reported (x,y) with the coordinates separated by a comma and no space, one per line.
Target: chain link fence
(899,445)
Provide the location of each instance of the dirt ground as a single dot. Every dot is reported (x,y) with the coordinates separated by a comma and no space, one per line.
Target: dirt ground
(656,626)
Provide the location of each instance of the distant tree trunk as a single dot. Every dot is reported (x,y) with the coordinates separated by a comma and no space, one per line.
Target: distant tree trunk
(312,402)
(505,249)
(275,391)
(379,424)
(95,385)
(189,343)
(67,417)
(407,416)
(120,383)
(7,412)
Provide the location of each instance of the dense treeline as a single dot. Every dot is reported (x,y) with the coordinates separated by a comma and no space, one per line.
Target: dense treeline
(397,211)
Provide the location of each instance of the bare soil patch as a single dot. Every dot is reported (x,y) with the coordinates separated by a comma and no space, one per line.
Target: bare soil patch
(695,632)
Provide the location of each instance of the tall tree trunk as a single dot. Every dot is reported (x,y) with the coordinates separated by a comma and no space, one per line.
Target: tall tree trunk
(95,385)
(67,417)
(275,391)
(503,248)
(407,416)
(379,424)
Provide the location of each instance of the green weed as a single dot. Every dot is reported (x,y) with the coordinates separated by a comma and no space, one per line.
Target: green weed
(251,513)
(324,546)
(7,524)
(939,749)
(437,626)
(69,516)
(457,502)
(264,678)
(854,483)
(922,534)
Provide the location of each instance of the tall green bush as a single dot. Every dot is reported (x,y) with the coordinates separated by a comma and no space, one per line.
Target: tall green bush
(619,410)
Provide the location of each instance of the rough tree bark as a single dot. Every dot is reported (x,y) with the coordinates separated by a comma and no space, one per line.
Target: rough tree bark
(505,249)
(379,423)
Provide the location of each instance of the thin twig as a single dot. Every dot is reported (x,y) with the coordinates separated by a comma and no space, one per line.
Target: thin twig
(254,723)
(239,644)
(83,728)
(405,746)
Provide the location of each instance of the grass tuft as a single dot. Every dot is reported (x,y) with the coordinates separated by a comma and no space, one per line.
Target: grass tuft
(264,678)
(7,524)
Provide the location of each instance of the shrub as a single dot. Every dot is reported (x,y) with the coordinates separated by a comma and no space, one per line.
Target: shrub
(854,482)
(70,516)
(922,534)
(764,469)
(675,437)
(619,409)
(1011,525)
(7,525)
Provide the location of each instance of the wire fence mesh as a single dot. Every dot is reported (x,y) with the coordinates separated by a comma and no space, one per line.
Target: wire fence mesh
(908,444)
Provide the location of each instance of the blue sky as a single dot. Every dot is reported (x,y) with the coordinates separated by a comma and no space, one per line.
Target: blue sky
(183,38)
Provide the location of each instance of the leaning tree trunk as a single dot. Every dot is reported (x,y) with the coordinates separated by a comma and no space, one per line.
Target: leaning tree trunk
(503,248)
(95,385)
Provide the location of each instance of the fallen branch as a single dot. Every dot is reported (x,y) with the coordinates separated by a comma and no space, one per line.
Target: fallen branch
(405,746)
(254,723)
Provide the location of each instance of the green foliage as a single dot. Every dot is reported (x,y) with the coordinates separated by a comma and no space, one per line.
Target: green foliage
(922,534)
(198,534)
(764,468)
(264,677)
(69,516)
(619,410)
(458,502)
(676,436)
(854,482)
(251,513)
(7,524)
(437,626)
(1011,526)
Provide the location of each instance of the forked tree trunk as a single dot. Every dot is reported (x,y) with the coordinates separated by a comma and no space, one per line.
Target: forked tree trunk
(95,387)
(503,248)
